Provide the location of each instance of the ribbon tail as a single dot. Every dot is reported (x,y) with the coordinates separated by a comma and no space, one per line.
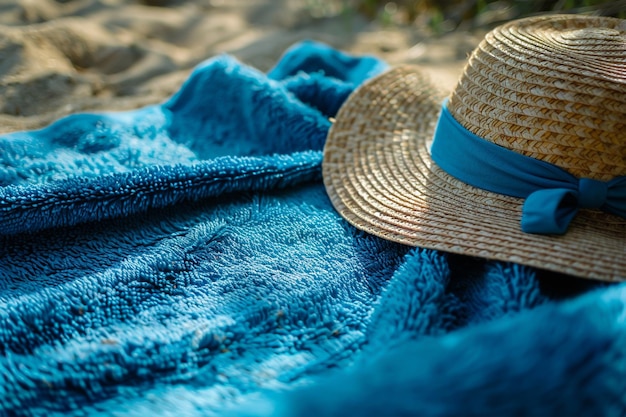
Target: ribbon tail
(616,197)
(549,211)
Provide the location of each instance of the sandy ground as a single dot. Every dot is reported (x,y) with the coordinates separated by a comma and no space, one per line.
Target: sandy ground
(64,56)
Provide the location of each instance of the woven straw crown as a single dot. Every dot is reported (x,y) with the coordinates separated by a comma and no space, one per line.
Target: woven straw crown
(551,87)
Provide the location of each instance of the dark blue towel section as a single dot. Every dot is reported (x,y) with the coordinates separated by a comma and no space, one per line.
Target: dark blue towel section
(184,260)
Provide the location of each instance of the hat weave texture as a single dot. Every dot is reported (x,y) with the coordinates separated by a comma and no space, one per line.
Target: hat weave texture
(551,87)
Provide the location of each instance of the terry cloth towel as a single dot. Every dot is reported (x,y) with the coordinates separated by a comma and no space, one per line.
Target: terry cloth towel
(184,260)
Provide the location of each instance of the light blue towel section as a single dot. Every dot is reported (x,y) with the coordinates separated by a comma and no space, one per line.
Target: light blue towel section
(184,260)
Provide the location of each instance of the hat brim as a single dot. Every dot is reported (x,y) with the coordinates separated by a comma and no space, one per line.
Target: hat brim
(380,177)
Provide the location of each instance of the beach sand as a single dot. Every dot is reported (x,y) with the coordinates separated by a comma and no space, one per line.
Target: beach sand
(59,57)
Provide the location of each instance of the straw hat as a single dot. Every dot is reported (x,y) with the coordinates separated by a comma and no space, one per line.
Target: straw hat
(551,88)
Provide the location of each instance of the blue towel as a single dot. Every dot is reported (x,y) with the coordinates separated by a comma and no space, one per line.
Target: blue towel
(183,259)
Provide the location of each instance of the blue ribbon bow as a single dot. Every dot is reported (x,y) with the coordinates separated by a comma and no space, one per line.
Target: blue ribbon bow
(553,195)
(552,210)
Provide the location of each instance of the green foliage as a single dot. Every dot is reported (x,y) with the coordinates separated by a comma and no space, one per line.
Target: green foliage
(444,15)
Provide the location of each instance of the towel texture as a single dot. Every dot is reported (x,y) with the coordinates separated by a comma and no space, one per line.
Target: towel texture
(183,259)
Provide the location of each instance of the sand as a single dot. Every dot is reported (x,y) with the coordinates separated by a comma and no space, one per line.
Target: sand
(59,57)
